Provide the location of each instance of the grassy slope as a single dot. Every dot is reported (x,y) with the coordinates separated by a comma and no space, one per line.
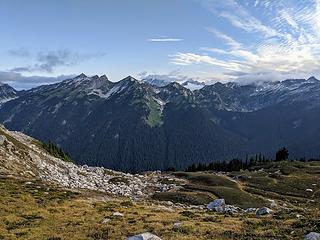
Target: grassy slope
(34,211)
(256,186)
(154,117)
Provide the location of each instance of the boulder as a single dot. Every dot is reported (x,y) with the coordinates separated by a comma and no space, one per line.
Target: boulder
(263,211)
(144,236)
(2,139)
(218,205)
(312,236)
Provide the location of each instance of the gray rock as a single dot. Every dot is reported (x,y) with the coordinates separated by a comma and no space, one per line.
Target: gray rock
(312,236)
(177,225)
(218,205)
(144,236)
(263,211)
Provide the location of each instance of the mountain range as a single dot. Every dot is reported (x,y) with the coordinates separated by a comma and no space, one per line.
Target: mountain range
(134,125)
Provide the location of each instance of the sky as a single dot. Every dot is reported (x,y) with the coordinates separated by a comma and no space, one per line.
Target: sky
(44,41)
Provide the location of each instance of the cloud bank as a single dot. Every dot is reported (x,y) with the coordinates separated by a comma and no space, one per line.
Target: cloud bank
(285,44)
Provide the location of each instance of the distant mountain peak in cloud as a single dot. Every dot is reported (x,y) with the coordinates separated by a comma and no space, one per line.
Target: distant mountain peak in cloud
(161,81)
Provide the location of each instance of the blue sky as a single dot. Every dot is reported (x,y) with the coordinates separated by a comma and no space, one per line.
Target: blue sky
(44,41)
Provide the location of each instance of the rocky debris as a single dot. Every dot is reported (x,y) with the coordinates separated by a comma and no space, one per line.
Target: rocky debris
(220,206)
(117,214)
(251,210)
(50,169)
(312,236)
(2,139)
(232,209)
(144,236)
(263,211)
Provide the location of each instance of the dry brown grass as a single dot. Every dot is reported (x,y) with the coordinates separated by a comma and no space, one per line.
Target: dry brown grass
(36,211)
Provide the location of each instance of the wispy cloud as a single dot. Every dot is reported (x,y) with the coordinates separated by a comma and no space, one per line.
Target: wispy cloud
(237,15)
(185,59)
(164,40)
(229,40)
(20,52)
(286,43)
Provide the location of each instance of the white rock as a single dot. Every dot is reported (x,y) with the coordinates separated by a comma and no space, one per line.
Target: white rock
(144,236)
(250,210)
(273,203)
(312,236)
(117,214)
(106,220)
(309,190)
(263,211)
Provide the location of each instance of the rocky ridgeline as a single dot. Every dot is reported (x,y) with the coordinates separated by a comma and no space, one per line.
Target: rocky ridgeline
(20,155)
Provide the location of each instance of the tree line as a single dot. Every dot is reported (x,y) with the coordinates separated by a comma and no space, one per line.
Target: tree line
(56,151)
(240,164)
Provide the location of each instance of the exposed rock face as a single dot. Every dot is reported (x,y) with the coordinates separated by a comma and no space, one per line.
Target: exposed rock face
(144,236)
(312,236)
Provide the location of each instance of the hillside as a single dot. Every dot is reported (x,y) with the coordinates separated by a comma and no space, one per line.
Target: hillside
(42,197)
(134,126)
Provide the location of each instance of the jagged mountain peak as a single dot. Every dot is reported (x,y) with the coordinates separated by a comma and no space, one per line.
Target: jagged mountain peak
(7,93)
(175,85)
(129,79)
(82,75)
(313,79)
